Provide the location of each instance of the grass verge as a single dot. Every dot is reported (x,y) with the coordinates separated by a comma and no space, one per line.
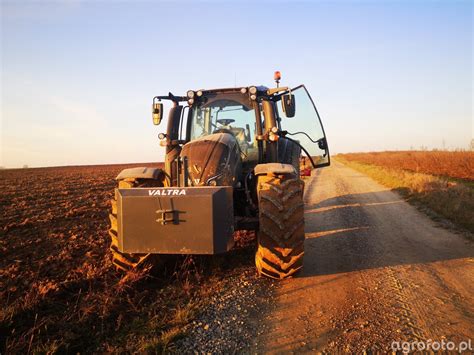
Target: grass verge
(449,198)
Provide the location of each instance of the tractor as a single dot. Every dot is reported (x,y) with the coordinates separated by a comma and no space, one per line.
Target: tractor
(230,165)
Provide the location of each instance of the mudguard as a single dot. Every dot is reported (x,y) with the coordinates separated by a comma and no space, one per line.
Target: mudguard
(274,168)
(140,173)
(289,153)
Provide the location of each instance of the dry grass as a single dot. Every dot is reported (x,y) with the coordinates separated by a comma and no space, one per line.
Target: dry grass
(58,289)
(459,165)
(450,198)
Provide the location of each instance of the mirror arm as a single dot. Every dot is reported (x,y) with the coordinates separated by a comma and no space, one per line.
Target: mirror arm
(171,97)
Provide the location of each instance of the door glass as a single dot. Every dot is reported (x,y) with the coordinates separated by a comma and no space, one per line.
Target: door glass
(306,126)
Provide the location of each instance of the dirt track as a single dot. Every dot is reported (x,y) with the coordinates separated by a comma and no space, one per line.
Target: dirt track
(376,270)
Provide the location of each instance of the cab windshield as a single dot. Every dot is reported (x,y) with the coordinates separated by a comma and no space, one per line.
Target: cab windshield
(226,116)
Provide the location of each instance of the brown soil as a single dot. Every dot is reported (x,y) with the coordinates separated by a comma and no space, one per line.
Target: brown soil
(376,270)
(58,288)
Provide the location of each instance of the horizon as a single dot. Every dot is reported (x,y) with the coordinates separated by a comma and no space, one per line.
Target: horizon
(78,77)
(434,150)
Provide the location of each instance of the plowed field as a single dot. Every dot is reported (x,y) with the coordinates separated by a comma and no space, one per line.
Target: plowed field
(54,245)
(58,288)
(459,165)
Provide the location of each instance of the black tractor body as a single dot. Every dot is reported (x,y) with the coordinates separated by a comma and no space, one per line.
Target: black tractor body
(233,162)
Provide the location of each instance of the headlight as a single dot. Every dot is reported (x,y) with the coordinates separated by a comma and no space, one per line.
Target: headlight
(243,90)
(190,94)
(273,134)
(253,90)
(199,93)
(190,102)
(253,97)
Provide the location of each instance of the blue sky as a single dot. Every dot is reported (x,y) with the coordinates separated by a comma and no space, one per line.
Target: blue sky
(78,76)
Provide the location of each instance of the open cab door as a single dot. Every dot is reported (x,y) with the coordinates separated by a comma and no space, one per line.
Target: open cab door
(304,125)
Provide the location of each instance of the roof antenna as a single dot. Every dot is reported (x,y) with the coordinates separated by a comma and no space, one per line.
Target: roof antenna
(277,77)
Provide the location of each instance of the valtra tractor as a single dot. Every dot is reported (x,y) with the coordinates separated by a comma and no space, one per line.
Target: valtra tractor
(230,165)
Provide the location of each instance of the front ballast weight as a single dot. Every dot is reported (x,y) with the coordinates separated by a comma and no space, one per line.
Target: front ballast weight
(175,220)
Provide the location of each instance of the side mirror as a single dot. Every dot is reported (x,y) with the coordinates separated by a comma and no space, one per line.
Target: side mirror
(157,113)
(288,105)
(322,144)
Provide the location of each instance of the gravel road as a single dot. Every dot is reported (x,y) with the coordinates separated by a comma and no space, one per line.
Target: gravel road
(231,321)
(376,270)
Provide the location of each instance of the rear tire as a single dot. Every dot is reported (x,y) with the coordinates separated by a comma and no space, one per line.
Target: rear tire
(281,233)
(125,261)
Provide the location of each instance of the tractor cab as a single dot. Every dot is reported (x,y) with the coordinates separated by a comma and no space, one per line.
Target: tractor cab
(268,125)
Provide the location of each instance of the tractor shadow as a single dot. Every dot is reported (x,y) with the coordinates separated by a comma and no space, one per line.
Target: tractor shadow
(176,267)
(374,230)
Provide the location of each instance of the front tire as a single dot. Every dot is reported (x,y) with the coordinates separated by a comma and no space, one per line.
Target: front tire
(281,234)
(125,261)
